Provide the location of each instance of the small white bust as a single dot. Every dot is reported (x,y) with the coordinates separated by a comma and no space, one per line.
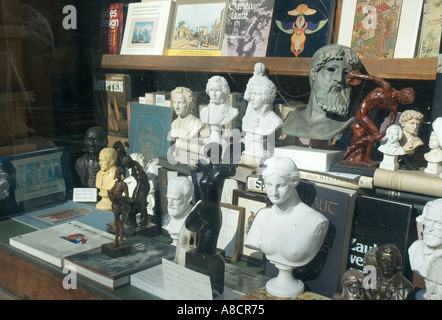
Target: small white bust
(260,121)
(391,149)
(258,72)
(218,113)
(289,232)
(180,192)
(433,281)
(411,121)
(186,125)
(422,251)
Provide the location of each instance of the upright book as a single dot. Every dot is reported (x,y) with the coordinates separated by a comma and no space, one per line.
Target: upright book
(115,272)
(379,221)
(37,179)
(381,29)
(147,27)
(149,130)
(112,94)
(111,27)
(54,243)
(300,28)
(430,34)
(247,31)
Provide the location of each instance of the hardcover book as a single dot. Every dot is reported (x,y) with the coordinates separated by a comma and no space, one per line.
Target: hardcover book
(300,28)
(430,35)
(382,29)
(379,221)
(110,34)
(115,272)
(247,31)
(323,274)
(54,243)
(64,212)
(147,28)
(197,28)
(149,130)
(112,94)
(37,179)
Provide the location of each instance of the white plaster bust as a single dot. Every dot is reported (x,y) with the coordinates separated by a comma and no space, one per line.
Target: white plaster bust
(392,146)
(260,121)
(435,153)
(180,192)
(433,281)
(186,125)
(422,251)
(258,72)
(105,178)
(218,113)
(411,121)
(289,232)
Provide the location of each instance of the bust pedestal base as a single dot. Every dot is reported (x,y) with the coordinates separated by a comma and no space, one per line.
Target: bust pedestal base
(113,251)
(285,285)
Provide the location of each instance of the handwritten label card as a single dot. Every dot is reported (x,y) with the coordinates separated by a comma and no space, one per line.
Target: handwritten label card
(85,195)
(186,283)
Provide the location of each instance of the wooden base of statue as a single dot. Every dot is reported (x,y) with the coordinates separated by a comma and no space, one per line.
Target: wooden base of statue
(113,251)
(310,158)
(210,265)
(359,170)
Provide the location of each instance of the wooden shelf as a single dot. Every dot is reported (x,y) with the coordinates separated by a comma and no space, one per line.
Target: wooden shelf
(411,69)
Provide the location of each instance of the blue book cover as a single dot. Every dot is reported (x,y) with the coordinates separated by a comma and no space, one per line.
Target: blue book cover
(37,179)
(300,28)
(65,212)
(149,129)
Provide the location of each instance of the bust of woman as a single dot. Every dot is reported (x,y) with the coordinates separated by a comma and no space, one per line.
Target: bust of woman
(289,232)
(186,125)
(260,121)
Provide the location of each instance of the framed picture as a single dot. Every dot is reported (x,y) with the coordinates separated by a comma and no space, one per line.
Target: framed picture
(387,29)
(231,235)
(198,27)
(252,202)
(146,29)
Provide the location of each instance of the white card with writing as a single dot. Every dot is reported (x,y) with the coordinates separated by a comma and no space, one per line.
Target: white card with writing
(186,283)
(85,195)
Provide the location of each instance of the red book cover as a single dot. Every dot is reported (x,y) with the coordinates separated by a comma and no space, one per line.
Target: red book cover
(111,29)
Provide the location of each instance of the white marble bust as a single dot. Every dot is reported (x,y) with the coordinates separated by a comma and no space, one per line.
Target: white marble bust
(180,192)
(433,281)
(289,232)
(186,125)
(423,250)
(218,113)
(258,72)
(411,121)
(260,121)
(392,148)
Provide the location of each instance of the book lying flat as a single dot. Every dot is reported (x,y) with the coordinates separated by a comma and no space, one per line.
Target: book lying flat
(115,272)
(54,243)
(64,212)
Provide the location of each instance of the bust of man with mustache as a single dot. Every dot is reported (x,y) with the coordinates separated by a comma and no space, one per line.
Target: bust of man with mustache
(330,107)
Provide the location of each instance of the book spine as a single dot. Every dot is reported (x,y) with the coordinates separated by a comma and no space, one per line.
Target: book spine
(402,196)
(364,182)
(408,181)
(436,108)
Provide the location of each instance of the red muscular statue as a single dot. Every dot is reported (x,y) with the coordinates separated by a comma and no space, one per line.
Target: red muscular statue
(365,132)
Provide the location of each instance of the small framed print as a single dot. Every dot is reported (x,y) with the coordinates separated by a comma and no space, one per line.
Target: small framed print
(231,235)
(252,203)
(198,27)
